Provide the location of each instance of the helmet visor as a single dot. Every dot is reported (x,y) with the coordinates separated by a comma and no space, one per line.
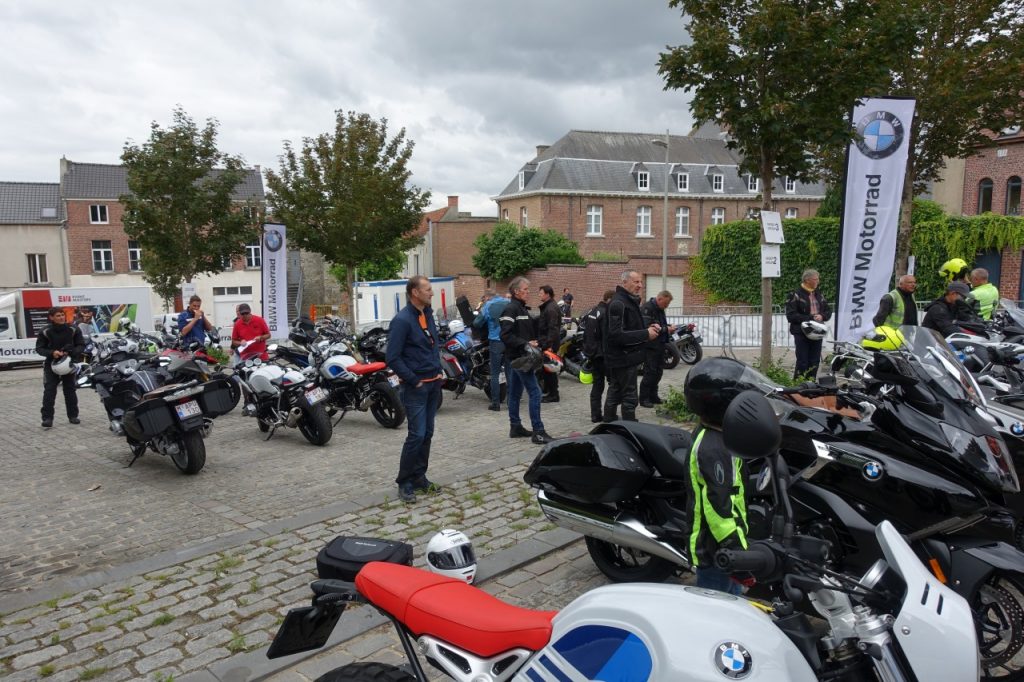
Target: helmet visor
(459,556)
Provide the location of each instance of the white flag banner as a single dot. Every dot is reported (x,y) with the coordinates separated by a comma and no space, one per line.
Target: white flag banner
(876,162)
(275,279)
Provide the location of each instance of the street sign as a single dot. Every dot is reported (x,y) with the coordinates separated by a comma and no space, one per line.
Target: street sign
(771,223)
(771,260)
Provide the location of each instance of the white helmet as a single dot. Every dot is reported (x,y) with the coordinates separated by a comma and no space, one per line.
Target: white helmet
(450,553)
(456,326)
(62,366)
(815,331)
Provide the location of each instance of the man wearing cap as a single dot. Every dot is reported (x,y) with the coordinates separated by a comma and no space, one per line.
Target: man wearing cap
(941,314)
(253,328)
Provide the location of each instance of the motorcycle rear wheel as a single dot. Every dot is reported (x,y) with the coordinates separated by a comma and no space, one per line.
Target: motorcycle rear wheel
(315,425)
(191,456)
(385,406)
(998,606)
(691,352)
(366,672)
(628,565)
(671,356)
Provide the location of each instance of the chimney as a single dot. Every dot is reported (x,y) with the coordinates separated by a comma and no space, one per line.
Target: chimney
(453,202)
(541,148)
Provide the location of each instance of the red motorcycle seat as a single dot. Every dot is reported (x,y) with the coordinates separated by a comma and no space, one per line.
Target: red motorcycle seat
(368,368)
(453,611)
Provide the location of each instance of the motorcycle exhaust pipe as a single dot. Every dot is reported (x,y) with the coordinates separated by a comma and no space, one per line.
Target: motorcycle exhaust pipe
(617,528)
(294,415)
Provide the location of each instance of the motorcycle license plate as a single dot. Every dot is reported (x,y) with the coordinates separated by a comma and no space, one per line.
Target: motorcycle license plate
(189,409)
(315,395)
(393,380)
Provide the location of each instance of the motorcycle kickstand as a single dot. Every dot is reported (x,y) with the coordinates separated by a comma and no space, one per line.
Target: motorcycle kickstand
(343,413)
(270,432)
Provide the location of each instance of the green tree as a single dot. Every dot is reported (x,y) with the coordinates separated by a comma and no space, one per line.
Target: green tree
(182,206)
(346,194)
(385,266)
(510,250)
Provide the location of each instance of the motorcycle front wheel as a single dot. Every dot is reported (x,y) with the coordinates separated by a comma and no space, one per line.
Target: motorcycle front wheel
(502,390)
(191,455)
(628,565)
(691,352)
(366,672)
(315,425)
(671,359)
(385,406)
(998,607)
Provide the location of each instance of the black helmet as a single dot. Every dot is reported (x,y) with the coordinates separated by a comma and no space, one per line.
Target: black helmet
(712,384)
(530,361)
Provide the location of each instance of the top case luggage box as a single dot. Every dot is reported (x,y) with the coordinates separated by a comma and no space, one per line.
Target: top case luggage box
(343,556)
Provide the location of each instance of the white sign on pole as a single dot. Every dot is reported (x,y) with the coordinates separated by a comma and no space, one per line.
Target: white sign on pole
(911,261)
(275,279)
(771,260)
(771,223)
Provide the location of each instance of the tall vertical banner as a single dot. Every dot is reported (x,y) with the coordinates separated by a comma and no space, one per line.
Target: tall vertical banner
(876,162)
(275,279)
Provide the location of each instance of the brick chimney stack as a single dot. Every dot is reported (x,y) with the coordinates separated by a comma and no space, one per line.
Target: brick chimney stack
(541,148)
(453,202)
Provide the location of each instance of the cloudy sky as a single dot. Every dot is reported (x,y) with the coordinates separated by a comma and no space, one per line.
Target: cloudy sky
(476,83)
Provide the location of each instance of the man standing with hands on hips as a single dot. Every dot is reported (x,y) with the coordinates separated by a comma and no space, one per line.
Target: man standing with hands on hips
(414,356)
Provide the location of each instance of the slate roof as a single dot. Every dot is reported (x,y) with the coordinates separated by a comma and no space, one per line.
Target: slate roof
(588,162)
(30,203)
(106,181)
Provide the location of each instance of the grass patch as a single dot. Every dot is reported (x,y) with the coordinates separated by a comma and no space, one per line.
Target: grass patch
(113,606)
(47,670)
(374,522)
(100,649)
(254,585)
(675,408)
(162,677)
(519,526)
(242,601)
(526,496)
(226,563)
(237,644)
(54,640)
(531,513)
(97,628)
(127,591)
(162,619)
(271,542)
(91,597)
(476,498)
(483,532)
(548,526)
(278,620)
(52,603)
(92,673)
(63,625)
(403,519)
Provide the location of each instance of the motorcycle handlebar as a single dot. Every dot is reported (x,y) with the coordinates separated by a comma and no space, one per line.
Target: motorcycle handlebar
(758,559)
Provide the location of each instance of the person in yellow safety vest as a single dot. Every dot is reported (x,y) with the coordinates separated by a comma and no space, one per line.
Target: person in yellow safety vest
(715,481)
(984,292)
(898,307)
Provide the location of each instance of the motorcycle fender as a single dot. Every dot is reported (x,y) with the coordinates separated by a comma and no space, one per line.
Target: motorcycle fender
(975,560)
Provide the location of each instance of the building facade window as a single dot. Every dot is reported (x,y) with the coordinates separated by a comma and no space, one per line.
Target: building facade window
(523,216)
(753,183)
(522,180)
(717,183)
(643,221)
(504,214)
(790,185)
(595,215)
(37,268)
(985,196)
(682,221)
(717,216)
(98,214)
(134,256)
(643,181)
(683,182)
(253,254)
(232,291)
(1013,195)
(102,256)
(791,212)
(226,264)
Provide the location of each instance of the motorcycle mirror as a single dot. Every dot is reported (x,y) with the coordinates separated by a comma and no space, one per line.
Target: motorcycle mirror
(750,427)
(272,348)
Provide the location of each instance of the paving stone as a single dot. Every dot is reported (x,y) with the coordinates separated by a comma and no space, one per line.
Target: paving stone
(158,660)
(38,657)
(193,605)
(208,641)
(218,609)
(152,646)
(171,588)
(204,659)
(157,605)
(19,648)
(94,638)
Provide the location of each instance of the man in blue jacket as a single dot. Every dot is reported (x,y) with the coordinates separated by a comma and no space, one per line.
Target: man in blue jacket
(491,312)
(413,353)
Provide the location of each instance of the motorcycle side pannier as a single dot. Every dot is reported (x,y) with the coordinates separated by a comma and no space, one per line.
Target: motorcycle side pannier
(215,399)
(343,556)
(595,468)
(148,419)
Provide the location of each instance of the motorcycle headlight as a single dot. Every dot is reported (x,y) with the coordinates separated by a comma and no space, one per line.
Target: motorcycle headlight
(987,455)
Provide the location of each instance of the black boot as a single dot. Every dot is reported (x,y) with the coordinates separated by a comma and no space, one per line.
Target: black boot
(519,431)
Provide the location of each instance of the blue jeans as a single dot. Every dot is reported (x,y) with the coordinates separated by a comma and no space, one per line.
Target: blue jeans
(420,408)
(497,350)
(516,382)
(710,578)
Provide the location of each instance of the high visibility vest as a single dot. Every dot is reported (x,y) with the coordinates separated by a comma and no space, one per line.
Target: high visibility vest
(705,517)
(987,297)
(895,318)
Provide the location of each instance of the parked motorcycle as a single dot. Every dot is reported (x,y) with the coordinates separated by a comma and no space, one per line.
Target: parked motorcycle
(683,344)
(353,385)
(465,361)
(894,623)
(277,396)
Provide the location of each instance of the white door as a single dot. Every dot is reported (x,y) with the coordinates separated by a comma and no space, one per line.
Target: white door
(224,312)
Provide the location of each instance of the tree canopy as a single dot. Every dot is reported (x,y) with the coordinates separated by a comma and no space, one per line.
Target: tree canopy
(181,207)
(346,194)
(510,250)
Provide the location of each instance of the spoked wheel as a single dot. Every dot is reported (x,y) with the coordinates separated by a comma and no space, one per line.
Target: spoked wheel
(385,406)
(367,672)
(628,565)
(691,352)
(671,359)
(998,609)
(191,455)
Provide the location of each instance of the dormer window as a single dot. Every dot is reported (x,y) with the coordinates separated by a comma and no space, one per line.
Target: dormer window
(643,181)
(753,183)
(683,182)
(522,180)
(790,185)
(717,182)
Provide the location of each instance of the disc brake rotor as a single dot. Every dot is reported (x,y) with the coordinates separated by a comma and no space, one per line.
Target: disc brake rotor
(1000,624)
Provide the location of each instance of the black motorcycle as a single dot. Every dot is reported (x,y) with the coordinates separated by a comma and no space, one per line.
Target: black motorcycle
(282,396)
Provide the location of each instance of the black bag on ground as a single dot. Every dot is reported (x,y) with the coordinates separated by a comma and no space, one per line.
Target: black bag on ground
(343,556)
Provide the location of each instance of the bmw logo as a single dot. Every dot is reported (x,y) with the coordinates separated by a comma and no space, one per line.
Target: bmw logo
(1017,429)
(733,660)
(273,240)
(872,471)
(879,134)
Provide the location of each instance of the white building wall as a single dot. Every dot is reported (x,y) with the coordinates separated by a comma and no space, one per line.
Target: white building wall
(20,240)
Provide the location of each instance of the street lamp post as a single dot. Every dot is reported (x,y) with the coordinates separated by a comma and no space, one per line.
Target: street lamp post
(664,217)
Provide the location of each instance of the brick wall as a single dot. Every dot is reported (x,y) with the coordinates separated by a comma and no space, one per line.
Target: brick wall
(1009,275)
(453,245)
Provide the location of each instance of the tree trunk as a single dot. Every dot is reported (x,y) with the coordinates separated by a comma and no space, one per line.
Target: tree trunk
(767,178)
(350,282)
(905,232)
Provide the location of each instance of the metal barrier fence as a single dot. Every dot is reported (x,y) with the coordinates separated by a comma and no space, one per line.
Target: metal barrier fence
(734,326)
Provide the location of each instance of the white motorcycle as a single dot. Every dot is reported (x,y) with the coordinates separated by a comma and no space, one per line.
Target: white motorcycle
(896,623)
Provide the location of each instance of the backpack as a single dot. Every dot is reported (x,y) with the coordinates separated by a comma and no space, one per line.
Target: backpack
(593,331)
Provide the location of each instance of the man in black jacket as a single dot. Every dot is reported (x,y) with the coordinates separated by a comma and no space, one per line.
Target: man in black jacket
(517,332)
(654,357)
(625,339)
(549,328)
(593,348)
(58,340)
(942,313)
(802,305)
